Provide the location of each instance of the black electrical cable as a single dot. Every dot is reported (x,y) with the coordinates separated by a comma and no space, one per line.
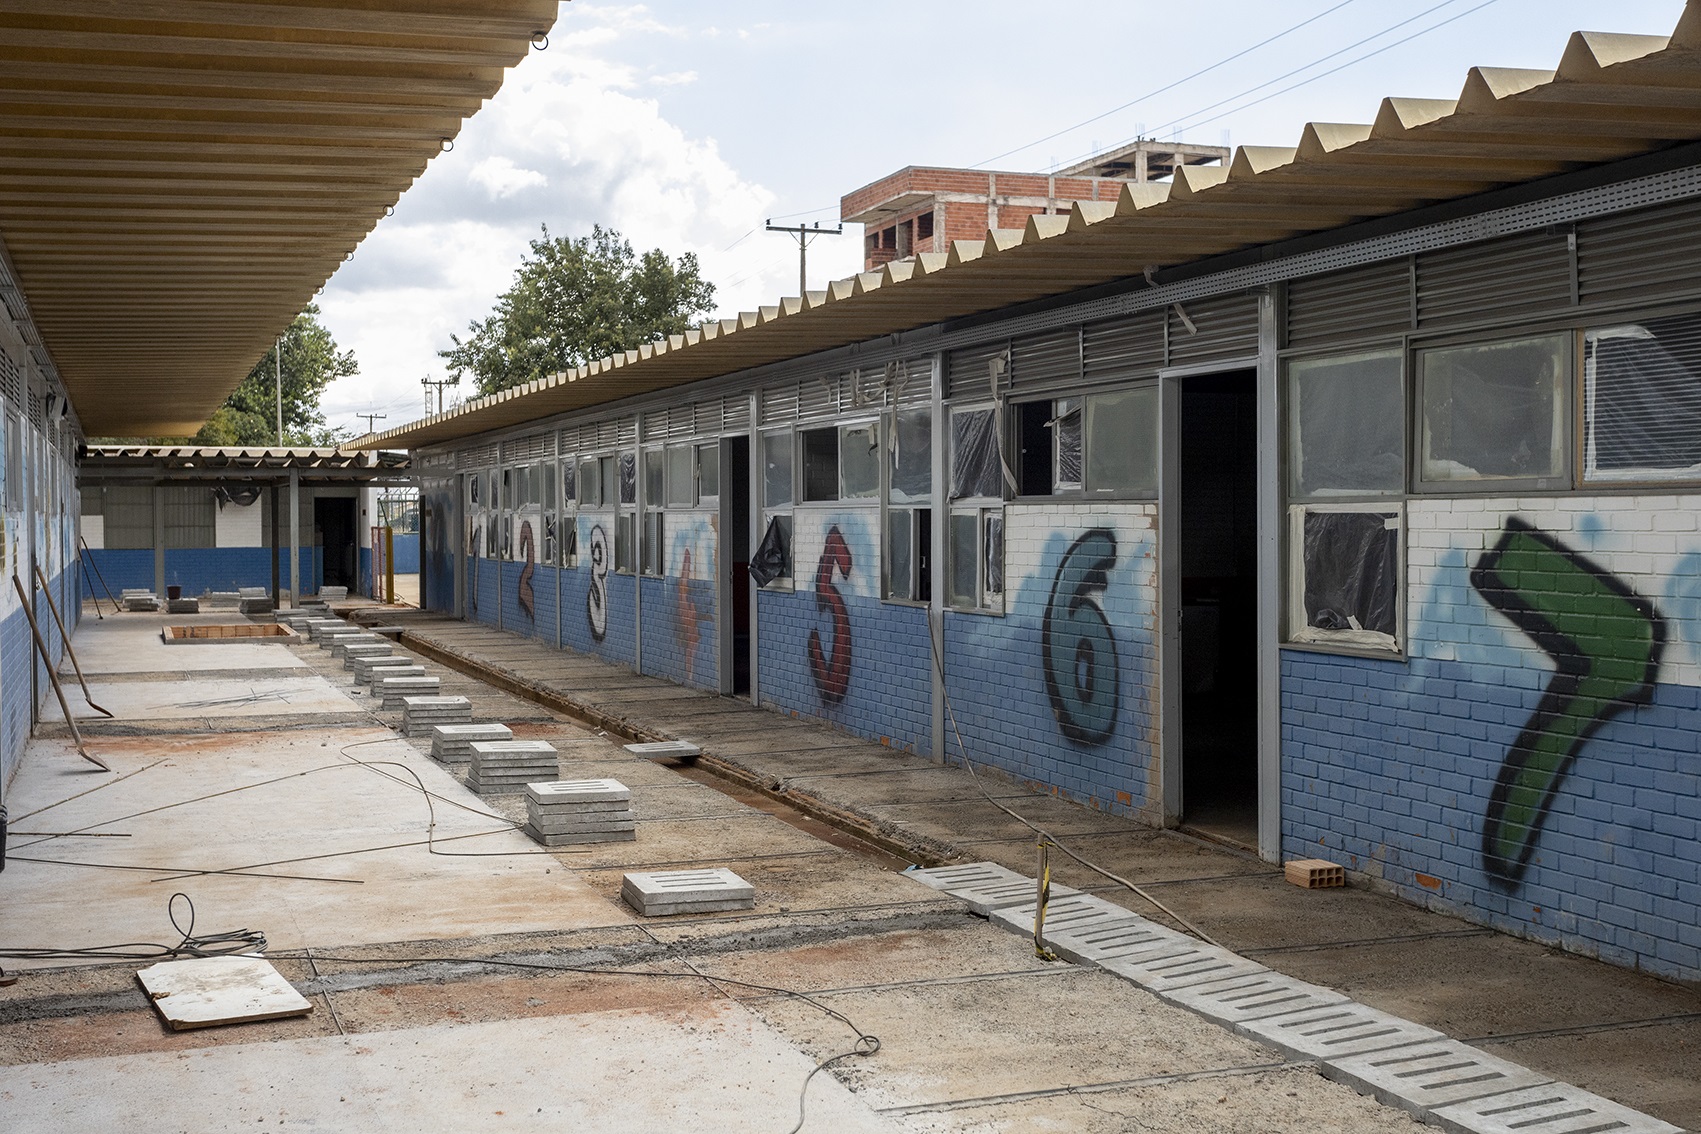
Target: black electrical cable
(224,944)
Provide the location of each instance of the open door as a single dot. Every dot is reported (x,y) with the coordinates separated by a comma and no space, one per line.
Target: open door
(735,574)
(1211,603)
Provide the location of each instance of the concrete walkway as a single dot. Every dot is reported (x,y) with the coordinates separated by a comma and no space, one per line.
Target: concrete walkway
(1628,1037)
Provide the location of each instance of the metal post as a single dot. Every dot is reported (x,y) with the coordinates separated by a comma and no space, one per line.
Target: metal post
(159,541)
(277,358)
(276,605)
(389,564)
(295,537)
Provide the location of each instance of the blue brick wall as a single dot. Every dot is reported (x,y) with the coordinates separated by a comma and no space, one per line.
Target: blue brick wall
(620,643)
(1389,768)
(124,568)
(575,619)
(483,598)
(889,696)
(679,614)
(539,622)
(202,569)
(15,652)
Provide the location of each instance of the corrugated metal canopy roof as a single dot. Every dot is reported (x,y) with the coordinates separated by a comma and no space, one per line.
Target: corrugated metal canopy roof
(1611,97)
(178,177)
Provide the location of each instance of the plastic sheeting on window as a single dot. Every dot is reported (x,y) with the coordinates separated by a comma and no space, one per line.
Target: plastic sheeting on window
(994,554)
(1349,576)
(1495,411)
(1348,425)
(975,461)
(628,478)
(1122,442)
(1068,426)
(569,481)
(1642,400)
(773,555)
(912,456)
(681,476)
(964,532)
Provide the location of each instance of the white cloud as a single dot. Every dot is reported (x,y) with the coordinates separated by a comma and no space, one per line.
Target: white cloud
(567,143)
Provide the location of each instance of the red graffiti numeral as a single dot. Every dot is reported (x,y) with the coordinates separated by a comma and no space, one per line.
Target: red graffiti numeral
(526,597)
(832,674)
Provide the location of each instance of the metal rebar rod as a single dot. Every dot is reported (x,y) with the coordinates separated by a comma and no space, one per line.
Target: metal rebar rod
(65,637)
(47,663)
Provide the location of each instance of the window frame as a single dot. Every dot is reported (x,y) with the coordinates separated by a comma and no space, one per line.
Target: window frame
(1564,416)
(985,601)
(1297,633)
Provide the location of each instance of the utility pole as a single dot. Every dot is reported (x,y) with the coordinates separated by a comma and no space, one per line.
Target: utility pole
(370,418)
(439,383)
(804,234)
(277,359)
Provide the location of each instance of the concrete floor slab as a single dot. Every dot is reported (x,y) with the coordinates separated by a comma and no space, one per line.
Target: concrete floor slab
(703,1067)
(125,643)
(169,700)
(329,816)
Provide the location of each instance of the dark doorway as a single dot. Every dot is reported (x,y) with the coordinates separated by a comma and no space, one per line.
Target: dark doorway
(333,527)
(1218,524)
(735,536)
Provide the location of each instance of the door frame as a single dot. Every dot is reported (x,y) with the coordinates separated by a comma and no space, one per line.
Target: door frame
(1172,745)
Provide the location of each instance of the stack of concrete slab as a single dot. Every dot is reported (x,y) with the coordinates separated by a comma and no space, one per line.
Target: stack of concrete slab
(368,668)
(566,812)
(223,600)
(341,642)
(505,767)
(182,606)
(393,690)
(375,649)
(419,714)
(333,594)
(317,628)
(452,743)
(137,599)
(656,893)
(254,600)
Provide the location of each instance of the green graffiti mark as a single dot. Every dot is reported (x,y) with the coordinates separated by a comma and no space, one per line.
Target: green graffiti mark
(1605,642)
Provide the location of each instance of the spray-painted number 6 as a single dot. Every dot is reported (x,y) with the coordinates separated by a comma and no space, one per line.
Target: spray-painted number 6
(1082,674)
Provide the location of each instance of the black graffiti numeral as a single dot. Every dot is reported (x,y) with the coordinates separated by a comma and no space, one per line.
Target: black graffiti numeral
(1083,676)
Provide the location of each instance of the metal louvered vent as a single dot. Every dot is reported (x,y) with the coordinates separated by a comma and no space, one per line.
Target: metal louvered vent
(1040,360)
(477,457)
(11,379)
(625,430)
(1117,349)
(735,413)
(527,449)
(1517,275)
(1641,255)
(1375,300)
(654,426)
(778,404)
(38,416)
(818,397)
(1224,327)
(966,373)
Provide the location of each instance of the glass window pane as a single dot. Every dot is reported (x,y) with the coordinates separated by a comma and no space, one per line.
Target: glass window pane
(590,490)
(654,561)
(912,456)
(1494,411)
(859,461)
(975,467)
(1122,442)
(1346,425)
(821,464)
(900,554)
(1067,426)
(569,481)
(681,479)
(708,471)
(546,480)
(1642,400)
(776,469)
(994,553)
(608,480)
(965,553)
(624,560)
(628,478)
(653,475)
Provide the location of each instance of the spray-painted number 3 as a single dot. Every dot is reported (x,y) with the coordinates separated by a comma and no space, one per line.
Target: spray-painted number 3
(1082,674)
(596,602)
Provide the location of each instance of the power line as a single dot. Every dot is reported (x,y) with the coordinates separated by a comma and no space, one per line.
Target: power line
(1171,86)
(1187,118)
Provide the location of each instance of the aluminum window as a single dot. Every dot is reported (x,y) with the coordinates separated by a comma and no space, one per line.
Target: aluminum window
(1346,425)
(1495,412)
(1122,442)
(1642,401)
(777,469)
(1346,578)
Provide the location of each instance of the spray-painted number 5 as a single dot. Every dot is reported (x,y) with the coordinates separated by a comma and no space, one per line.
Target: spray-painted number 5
(1082,674)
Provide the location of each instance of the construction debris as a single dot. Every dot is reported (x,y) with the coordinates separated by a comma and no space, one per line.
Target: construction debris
(205,992)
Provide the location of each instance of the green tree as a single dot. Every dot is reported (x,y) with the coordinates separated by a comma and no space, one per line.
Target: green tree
(573,301)
(311,362)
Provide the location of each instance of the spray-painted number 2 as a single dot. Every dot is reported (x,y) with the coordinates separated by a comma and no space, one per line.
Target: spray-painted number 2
(1082,674)
(596,602)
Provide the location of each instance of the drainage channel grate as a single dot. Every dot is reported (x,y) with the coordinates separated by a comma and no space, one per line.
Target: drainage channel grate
(1557,1108)
(1394,1060)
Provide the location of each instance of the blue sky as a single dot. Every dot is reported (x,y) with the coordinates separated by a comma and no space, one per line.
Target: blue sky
(685,125)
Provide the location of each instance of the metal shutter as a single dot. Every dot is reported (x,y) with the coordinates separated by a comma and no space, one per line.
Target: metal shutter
(1051,359)
(1117,349)
(1526,275)
(1372,301)
(1226,327)
(1645,254)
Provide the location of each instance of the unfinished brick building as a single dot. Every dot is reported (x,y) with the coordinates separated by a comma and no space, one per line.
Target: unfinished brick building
(924,208)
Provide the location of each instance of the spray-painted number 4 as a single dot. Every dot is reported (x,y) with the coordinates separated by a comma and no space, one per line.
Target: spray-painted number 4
(1082,674)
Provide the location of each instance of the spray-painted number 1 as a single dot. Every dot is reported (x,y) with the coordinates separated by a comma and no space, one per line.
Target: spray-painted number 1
(1082,674)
